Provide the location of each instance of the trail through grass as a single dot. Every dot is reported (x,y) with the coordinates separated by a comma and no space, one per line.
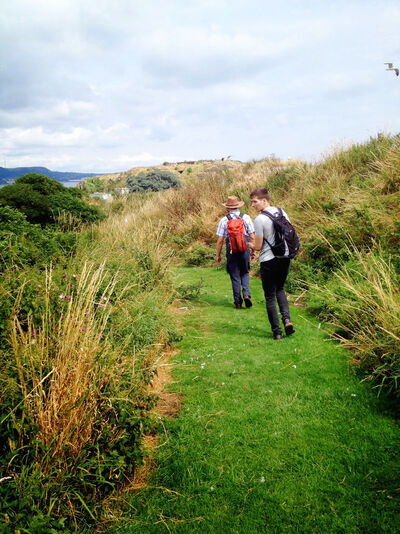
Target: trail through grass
(273,436)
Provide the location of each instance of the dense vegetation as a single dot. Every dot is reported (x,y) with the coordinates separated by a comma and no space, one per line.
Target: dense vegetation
(83,323)
(83,309)
(152,180)
(43,200)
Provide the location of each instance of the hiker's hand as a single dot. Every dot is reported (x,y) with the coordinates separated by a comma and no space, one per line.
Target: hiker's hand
(252,254)
(219,259)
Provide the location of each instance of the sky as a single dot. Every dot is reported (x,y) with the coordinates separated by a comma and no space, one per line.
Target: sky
(107,85)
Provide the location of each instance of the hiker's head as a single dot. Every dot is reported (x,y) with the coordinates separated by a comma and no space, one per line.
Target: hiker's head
(259,198)
(233,203)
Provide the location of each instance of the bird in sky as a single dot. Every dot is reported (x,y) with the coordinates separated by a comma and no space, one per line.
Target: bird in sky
(390,67)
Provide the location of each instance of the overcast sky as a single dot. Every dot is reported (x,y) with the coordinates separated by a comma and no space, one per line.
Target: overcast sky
(105,85)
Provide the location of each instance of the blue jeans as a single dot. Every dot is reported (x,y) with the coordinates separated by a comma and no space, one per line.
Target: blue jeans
(273,276)
(238,266)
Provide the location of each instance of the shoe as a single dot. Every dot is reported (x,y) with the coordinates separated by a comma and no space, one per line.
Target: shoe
(278,336)
(238,305)
(289,328)
(247,301)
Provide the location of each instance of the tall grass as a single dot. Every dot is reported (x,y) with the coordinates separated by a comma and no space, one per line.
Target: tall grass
(347,211)
(65,348)
(84,338)
(363,302)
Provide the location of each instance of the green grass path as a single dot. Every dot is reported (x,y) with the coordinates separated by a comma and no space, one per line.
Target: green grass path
(273,436)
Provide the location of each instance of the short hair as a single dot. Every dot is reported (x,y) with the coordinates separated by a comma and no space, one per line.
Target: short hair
(260,192)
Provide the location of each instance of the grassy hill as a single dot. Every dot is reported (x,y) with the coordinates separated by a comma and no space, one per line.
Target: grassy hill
(346,210)
(85,319)
(184,170)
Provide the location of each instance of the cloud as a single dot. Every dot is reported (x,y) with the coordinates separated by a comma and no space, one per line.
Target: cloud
(199,57)
(93,84)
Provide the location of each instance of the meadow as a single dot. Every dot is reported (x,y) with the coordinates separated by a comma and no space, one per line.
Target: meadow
(87,313)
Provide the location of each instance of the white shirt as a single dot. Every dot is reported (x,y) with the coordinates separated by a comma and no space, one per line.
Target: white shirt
(223,223)
(265,227)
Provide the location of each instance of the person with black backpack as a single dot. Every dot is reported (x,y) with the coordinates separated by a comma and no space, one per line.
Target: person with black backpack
(237,230)
(278,242)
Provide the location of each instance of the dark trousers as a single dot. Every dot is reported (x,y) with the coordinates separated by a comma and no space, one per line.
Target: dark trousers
(238,266)
(273,275)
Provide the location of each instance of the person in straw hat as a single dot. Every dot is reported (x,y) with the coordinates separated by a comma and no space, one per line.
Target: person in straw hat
(237,263)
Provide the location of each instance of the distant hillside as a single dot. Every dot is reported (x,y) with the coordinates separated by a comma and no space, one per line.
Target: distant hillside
(9,175)
(184,170)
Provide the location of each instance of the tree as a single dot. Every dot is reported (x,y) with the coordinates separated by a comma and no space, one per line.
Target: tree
(42,199)
(153,180)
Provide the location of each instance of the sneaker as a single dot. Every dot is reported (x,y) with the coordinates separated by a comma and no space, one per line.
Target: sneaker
(278,336)
(238,305)
(247,301)
(289,328)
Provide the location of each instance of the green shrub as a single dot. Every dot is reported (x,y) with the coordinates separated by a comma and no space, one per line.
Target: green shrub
(42,200)
(199,254)
(153,180)
(23,243)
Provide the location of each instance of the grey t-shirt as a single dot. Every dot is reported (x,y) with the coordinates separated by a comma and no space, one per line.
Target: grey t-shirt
(263,226)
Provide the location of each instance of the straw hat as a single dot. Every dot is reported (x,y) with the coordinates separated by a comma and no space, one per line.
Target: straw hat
(233,202)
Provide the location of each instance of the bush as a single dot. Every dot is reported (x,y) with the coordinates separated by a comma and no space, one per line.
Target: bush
(42,200)
(153,180)
(199,254)
(23,243)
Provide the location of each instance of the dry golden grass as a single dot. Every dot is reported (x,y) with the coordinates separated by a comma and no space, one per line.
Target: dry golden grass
(58,360)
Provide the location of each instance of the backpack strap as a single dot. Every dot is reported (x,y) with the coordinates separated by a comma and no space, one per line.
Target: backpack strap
(229,216)
(270,216)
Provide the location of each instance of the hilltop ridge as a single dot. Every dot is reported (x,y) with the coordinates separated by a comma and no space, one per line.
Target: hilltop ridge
(183,169)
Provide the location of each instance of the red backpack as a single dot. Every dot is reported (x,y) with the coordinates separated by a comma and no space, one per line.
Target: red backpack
(236,234)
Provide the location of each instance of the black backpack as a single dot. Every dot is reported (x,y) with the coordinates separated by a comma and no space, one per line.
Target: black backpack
(284,233)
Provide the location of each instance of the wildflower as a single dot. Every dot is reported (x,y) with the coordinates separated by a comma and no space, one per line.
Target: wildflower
(262,480)
(61,296)
(33,334)
(101,336)
(74,276)
(64,275)
(67,297)
(83,328)
(294,366)
(212,488)
(353,395)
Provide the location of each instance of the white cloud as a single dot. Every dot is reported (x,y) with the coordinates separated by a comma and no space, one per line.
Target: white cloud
(89,85)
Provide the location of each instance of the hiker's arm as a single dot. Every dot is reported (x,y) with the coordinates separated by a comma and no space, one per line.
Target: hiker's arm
(220,242)
(251,241)
(258,242)
(251,246)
